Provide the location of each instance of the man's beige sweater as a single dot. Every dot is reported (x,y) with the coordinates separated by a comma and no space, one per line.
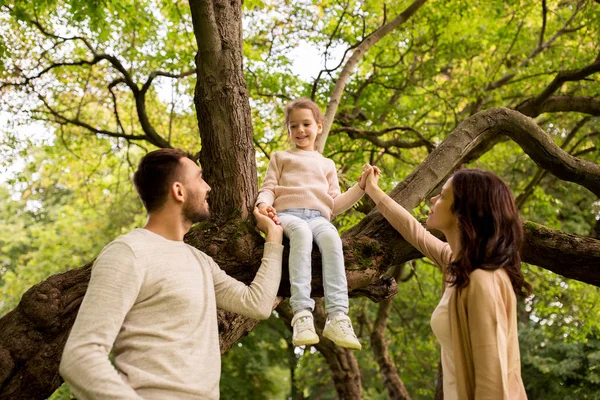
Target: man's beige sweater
(154,302)
(305,179)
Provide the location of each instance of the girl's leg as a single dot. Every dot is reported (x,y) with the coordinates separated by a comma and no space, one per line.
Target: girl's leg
(301,238)
(338,327)
(334,274)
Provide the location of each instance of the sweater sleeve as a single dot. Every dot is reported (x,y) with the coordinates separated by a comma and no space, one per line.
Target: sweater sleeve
(256,300)
(488,330)
(113,288)
(342,201)
(266,194)
(433,248)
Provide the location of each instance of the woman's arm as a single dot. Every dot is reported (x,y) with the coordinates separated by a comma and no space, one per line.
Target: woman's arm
(433,248)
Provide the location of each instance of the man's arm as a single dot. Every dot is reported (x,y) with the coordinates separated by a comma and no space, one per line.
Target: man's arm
(112,291)
(255,300)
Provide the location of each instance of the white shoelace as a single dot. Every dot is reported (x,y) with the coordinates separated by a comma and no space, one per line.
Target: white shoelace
(345,326)
(304,323)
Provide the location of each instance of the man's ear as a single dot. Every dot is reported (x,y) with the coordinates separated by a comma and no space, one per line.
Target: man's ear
(178,191)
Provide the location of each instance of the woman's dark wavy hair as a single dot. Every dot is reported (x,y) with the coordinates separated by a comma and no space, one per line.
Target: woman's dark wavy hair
(490,228)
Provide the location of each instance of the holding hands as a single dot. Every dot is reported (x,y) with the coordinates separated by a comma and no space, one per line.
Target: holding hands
(268,211)
(266,216)
(369,177)
(269,226)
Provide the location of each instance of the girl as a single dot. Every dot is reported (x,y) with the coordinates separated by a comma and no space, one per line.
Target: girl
(301,191)
(476,319)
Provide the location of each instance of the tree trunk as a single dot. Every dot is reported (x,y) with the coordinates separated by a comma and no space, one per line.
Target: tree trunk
(33,335)
(379,343)
(439,383)
(223,109)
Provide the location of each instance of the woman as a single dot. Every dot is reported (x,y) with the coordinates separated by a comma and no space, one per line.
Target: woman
(476,319)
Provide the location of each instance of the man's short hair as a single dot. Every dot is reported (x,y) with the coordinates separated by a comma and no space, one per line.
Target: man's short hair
(155,174)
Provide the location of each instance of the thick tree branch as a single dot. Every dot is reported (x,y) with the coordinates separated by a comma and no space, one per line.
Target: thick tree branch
(452,153)
(531,107)
(340,84)
(580,104)
(541,173)
(572,256)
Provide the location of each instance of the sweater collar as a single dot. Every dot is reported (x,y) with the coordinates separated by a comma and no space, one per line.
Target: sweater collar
(311,153)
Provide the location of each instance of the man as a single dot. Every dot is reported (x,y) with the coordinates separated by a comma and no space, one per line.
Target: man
(155,298)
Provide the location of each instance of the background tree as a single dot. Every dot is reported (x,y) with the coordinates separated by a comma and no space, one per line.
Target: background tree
(112,81)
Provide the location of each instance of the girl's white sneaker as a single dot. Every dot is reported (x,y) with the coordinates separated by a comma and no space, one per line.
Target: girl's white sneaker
(304,329)
(339,330)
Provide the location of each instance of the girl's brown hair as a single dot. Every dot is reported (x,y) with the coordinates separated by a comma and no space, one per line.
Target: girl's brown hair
(490,228)
(306,104)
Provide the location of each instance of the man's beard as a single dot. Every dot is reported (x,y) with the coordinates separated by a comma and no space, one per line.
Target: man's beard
(193,211)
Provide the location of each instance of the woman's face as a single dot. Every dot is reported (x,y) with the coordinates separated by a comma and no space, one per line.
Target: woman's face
(441,216)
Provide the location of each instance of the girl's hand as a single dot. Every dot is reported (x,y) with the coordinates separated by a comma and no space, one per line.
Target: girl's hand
(362,179)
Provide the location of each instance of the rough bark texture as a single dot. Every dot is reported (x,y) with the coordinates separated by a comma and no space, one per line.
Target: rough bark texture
(572,256)
(342,363)
(223,109)
(33,335)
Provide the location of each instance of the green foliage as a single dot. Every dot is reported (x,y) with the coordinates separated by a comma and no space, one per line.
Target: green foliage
(560,369)
(72,194)
(72,203)
(257,366)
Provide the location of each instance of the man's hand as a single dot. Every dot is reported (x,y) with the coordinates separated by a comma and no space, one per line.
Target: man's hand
(272,230)
(268,211)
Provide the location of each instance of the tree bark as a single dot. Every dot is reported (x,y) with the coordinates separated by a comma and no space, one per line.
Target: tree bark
(439,383)
(223,109)
(387,368)
(581,104)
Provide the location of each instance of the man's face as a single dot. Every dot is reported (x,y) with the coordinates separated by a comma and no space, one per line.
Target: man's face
(195,206)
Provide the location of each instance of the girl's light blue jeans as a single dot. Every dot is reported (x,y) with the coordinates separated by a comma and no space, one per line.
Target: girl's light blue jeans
(302,226)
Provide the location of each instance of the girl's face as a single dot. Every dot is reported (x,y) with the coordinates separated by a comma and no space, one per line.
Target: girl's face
(303,128)
(441,216)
